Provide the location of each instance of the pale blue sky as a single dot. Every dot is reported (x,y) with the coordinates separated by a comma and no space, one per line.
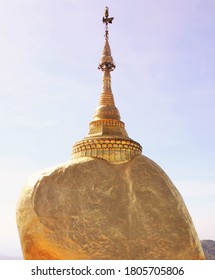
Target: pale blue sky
(163,86)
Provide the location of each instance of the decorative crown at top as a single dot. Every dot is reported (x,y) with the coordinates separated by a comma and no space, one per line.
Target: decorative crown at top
(106,61)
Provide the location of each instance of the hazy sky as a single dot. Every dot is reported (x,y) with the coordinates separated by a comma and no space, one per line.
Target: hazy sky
(163,86)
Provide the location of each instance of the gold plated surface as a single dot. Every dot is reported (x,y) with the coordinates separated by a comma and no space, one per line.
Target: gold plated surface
(113,150)
(92,209)
(106,122)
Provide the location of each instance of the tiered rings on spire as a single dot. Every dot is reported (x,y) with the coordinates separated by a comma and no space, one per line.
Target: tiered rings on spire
(107,137)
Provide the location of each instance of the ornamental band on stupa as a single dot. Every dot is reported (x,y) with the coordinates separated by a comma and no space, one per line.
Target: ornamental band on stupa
(107,137)
(109,202)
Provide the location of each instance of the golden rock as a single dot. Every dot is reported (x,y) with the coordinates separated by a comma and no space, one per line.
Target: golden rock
(109,202)
(92,209)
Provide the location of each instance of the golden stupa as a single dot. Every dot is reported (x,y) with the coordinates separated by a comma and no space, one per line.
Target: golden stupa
(109,201)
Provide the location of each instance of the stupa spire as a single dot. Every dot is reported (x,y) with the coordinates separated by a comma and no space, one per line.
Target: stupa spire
(106,109)
(107,137)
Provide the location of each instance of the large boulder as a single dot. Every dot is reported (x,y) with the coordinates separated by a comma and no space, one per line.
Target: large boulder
(91,209)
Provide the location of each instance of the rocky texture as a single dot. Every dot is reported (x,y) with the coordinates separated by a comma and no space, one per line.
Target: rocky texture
(92,209)
(209,249)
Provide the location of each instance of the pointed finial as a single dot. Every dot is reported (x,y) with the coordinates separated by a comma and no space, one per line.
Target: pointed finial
(107,20)
(106,62)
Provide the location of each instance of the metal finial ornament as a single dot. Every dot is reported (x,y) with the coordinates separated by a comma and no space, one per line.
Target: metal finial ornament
(106,62)
(107,20)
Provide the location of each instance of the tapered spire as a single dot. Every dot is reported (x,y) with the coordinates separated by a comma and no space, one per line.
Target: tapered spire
(106,108)
(107,137)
